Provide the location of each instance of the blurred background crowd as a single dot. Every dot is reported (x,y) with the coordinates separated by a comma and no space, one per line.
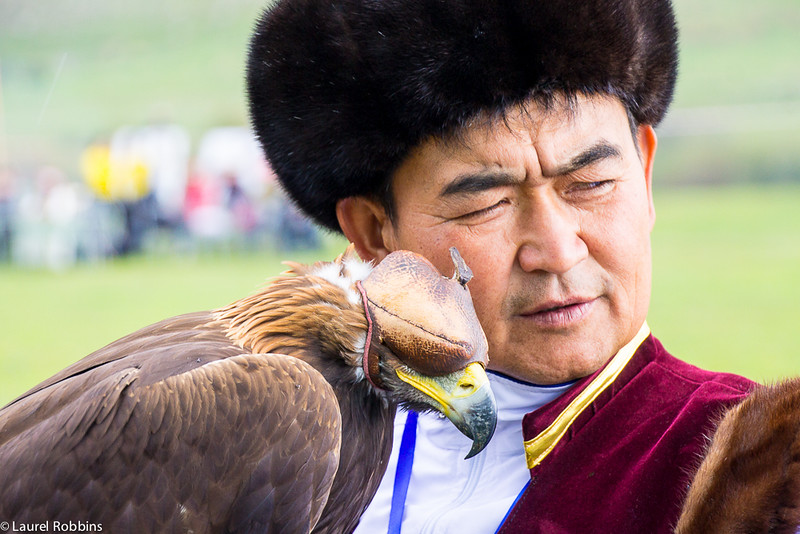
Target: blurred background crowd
(146,189)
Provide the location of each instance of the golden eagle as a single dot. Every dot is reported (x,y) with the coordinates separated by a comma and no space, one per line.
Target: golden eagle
(272,414)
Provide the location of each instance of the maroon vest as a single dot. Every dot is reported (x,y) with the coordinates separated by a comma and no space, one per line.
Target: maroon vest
(626,461)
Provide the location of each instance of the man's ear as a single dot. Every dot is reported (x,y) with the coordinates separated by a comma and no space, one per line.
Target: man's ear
(646,137)
(365,223)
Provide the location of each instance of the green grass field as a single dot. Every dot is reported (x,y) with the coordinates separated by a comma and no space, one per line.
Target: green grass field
(726,268)
(726,293)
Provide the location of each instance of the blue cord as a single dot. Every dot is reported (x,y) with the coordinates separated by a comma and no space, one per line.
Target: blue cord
(519,496)
(402,476)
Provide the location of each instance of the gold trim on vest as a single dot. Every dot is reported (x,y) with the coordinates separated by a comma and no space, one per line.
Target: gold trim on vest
(537,448)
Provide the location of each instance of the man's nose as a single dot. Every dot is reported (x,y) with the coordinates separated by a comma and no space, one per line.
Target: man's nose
(551,238)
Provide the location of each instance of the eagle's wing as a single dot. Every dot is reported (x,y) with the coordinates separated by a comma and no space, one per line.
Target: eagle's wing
(245,443)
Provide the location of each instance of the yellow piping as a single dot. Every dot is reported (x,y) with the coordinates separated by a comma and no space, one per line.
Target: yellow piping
(537,448)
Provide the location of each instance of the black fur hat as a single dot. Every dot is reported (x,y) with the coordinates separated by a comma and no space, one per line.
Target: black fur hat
(341,90)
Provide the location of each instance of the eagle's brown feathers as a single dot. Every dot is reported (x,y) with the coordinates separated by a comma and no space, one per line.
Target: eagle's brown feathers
(256,417)
(197,424)
(299,301)
(213,441)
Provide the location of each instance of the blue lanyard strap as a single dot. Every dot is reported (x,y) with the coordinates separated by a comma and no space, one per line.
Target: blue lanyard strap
(402,476)
(519,496)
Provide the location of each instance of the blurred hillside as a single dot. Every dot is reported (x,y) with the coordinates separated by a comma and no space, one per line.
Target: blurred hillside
(736,115)
(73,70)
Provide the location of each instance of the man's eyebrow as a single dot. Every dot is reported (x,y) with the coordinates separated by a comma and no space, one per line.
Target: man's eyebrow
(477,182)
(599,151)
(490,179)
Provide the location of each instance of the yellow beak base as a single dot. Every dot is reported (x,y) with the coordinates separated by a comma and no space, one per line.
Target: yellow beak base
(464,397)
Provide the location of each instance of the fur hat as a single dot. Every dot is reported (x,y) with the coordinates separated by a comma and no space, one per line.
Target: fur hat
(341,90)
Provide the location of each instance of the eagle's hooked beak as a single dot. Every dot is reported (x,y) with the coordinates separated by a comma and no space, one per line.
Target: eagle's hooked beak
(464,397)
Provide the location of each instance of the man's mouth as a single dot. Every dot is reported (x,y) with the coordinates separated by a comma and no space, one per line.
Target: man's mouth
(560,314)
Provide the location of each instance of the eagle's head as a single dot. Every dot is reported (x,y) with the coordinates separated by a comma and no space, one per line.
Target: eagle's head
(425,344)
(399,330)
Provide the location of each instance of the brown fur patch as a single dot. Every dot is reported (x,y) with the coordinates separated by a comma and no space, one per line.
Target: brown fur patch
(749,480)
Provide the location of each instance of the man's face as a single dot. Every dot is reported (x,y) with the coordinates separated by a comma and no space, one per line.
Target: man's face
(552,211)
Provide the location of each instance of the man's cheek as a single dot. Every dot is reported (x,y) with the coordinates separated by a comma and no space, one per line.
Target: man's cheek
(487,308)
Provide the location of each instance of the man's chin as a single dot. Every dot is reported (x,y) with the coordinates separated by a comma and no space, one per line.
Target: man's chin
(556,361)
